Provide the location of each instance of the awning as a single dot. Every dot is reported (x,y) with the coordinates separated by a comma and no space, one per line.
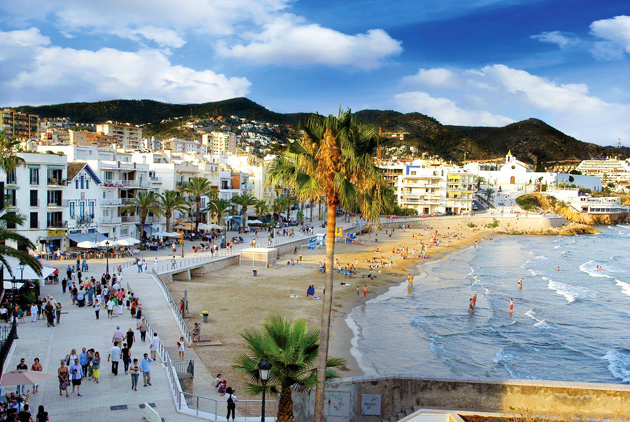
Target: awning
(82,237)
(149,229)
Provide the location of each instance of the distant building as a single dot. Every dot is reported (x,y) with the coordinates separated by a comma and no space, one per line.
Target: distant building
(128,136)
(610,169)
(18,124)
(220,142)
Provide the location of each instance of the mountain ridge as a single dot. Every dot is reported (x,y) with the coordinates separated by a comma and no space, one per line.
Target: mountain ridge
(531,140)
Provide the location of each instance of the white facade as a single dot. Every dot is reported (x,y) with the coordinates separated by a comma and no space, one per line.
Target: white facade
(84,202)
(610,169)
(36,191)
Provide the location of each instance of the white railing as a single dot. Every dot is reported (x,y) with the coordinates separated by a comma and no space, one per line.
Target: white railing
(111,220)
(111,201)
(149,414)
(175,309)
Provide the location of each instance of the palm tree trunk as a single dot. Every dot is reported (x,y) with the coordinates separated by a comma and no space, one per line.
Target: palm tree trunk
(197,215)
(310,204)
(142,221)
(285,405)
(168,224)
(324,335)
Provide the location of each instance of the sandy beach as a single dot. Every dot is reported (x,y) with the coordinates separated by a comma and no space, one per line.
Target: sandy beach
(237,301)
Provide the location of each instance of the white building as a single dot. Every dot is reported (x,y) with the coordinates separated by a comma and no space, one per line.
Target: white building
(430,188)
(220,142)
(36,190)
(610,169)
(128,136)
(517,175)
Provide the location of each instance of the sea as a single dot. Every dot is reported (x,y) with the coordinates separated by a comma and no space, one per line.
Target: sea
(570,321)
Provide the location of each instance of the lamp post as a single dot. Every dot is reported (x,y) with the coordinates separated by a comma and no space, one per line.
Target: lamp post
(181,240)
(15,313)
(107,257)
(264,368)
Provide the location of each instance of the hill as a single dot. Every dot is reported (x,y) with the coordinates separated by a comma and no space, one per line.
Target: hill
(530,140)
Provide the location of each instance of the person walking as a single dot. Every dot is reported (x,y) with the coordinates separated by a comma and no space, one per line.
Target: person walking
(24,415)
(58,312)
(130,337)
(114,354)
(143,330)
(117,337)
(96,366)
(156,262)
(64,378)
(181,348)
(24,367)
(42,415)
(135,370)
(76,373)
(154,346)
(126,357)
(34,312)
(231,403)
(37,367)
(84,361)
(97,309)
(110,308)
(145,366)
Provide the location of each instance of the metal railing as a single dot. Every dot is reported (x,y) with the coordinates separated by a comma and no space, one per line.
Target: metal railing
(175,309)
(184,367)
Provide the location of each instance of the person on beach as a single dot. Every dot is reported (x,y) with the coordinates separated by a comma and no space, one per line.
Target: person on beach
(365,290)
(474,301)
(470,306)
(358,291)
(410,280)
(511,306)
(520,283)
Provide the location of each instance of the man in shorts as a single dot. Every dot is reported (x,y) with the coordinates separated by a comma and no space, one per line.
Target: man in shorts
(76,374)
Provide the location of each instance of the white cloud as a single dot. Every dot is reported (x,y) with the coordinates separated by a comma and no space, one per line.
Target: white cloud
(561,39)
(161,36)
(290,40)
(616,35)
(83,75)
(489,93)
(446,111)
(436,77)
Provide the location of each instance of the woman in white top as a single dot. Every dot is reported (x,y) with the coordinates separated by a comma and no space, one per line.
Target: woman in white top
(181,347)
(231,403)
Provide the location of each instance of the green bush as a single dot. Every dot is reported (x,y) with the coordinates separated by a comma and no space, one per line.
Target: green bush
(472,225)
(493,225)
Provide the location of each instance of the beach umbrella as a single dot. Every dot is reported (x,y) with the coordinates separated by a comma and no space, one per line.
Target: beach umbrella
(29,274)
(254,222)
(127,241)
(214,226)
(25,377)
(87,244)
(8,285)
(170,234)
(112,243)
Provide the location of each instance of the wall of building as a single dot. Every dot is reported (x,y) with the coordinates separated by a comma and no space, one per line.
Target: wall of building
(403,392)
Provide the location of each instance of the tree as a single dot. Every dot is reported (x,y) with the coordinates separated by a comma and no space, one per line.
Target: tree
(244,200)
(5,251)
(292,349)
(8,147)
(143,204)
(261,208)
(218,207)
(198,187)
(488,192)
(279,204)
(170,201)
(333,159)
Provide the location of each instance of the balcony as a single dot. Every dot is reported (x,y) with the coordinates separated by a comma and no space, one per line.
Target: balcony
(53,182)
(55,204)
(56,224)
(110,202)
(130,219)
(108,221)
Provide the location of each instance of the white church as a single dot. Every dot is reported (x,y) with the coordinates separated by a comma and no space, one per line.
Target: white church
(516,175)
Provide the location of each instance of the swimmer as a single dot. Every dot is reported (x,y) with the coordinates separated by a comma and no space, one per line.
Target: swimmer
(470,306)
(474,301)
(558,269)
(410,280)
(520,283)
(511,306)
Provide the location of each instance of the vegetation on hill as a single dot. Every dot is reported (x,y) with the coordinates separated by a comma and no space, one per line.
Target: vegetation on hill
(531,140)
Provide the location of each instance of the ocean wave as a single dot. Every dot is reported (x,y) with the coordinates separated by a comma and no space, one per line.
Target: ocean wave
(437,350)
(589,267)
(503,356)
(540,323)
(571,293)
(533,272)
(541,257)
(557,246)
(618,364)
(420,320)
(625,287)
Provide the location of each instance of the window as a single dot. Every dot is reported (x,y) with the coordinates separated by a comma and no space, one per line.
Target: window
(34,223)
(71,210)
(82,180)
(10,224)
(34,176)
(81,209)
(76,183)
(87,183)
(11,178)
(91,209)
(34,198)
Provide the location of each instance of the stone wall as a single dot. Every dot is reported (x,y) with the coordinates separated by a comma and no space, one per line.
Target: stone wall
(399,393)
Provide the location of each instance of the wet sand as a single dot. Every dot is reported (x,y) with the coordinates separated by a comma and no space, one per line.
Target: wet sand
(238,301)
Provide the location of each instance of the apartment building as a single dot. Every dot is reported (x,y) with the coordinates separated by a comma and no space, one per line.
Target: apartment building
(36,190)
(128,136)
(610,169)
(220,142)
(181,146)
(84,201)
(430,188)
(19,124)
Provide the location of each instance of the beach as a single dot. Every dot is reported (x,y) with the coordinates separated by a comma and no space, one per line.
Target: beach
(237,301)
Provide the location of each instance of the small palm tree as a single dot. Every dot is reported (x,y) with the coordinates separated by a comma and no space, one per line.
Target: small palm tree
(143,204)
(279,205)
(218,207)
(244,200)
(198,187)
(292,349)
(261,208)
(5,250)
(170,201)
(8,147)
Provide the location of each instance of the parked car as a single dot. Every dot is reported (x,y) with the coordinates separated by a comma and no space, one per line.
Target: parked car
(439,214)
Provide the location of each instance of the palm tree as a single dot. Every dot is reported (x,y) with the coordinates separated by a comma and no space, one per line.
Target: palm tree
(5,234)
(261,208)
(8,147)
(279,204)
(198,187)
(170,201)
(244,200)
(333,159)
(144,203)
(218,207)
(292,350)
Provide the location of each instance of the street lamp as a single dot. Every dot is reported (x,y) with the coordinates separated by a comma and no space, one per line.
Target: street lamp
(15,313)
(107,257)
(264,368)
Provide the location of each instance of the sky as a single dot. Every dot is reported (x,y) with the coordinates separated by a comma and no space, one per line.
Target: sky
(463,62)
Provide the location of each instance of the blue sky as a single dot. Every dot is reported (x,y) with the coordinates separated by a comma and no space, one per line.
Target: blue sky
(474,62)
